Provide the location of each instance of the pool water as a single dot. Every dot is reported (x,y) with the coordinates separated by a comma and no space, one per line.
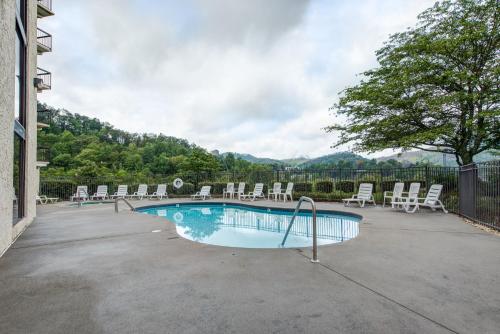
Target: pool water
(251,227)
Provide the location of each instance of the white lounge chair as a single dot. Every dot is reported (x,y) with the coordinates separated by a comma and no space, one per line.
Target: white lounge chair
(241,190)
(275,192)
(203,194)
(101,193)
(80,194)
(431,200)
(394,195)
(288,192)
(142,191)
(256,193)
(122,192)
(228,191)
(42,199)
(161,191)
(364,196)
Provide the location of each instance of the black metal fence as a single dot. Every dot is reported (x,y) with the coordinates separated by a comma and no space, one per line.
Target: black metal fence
(324,185)
(480,193)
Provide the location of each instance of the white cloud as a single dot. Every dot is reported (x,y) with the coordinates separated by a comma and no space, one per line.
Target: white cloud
(253,77)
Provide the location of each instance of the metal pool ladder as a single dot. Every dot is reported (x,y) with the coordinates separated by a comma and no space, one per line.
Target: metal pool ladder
(126,202)
(315,236)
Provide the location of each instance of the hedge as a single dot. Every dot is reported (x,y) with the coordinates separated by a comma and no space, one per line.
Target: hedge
(345,186)
(303,187)
(324,186)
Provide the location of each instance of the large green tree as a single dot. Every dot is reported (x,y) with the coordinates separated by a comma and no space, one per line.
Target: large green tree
(436,88)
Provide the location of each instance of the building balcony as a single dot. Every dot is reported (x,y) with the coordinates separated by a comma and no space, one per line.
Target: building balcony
(44,118)
(43,41)
(43,155)
(43,80)
(44,8)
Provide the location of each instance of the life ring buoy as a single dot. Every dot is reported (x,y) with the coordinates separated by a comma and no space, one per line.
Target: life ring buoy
(178,183)
(178,217)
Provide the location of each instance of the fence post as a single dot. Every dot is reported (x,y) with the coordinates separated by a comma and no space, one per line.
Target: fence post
(426,178)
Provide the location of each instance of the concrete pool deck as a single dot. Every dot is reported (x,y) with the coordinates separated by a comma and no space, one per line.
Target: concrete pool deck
(89,270)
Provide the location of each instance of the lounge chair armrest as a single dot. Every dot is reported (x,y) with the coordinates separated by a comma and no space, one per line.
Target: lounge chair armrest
(388,192)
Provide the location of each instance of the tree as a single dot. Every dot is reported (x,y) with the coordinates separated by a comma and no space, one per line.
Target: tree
(437,87)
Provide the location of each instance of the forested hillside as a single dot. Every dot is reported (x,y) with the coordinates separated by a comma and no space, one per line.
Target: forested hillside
(77,145)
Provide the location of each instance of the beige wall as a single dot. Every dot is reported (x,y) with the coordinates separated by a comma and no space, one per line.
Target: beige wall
(8,232)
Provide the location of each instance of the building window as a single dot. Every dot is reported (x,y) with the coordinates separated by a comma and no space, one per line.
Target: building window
(18,183)
(19,158)
(18,79)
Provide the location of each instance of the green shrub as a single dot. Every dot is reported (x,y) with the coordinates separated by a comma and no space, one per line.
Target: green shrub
(345,186)
(305,187)
(388,185)
(422,184)
(218,187)
(324,186)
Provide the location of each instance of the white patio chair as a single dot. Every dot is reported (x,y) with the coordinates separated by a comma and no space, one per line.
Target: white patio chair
(80,194)
(288,192)
(122,192)
(161,191)
(410,196)
(256,193)
(241,190)
(395,194)
(142,191)
(228,191)
(101,193)
(203,194)
(42,199)
(431,200)
(275,192)
(364,196)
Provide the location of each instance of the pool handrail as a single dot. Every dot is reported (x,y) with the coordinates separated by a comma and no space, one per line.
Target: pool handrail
(126,202)
(315,236)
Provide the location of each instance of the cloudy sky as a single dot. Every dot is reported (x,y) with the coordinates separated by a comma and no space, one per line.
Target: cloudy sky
(249,76)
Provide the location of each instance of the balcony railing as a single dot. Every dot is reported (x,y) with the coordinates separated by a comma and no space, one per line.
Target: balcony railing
(44,41)
(44,8)
(44,79)
(44,118)
(43,154)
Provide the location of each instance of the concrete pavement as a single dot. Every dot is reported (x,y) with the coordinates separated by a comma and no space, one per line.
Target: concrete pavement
(89,270)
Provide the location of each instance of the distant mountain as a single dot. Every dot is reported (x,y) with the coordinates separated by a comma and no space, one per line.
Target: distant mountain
(331,159)
(294,162)
(349,158)
(434,158)
(253,159)
(301,162)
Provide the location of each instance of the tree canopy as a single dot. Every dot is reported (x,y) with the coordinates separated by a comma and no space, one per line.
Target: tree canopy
(436,88)
(83,146)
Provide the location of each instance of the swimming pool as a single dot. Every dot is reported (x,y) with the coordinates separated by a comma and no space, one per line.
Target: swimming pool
(252,227)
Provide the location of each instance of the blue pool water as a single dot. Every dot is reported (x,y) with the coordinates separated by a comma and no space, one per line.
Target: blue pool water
(250,227)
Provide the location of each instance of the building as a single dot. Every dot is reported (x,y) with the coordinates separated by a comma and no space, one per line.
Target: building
(20,81)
